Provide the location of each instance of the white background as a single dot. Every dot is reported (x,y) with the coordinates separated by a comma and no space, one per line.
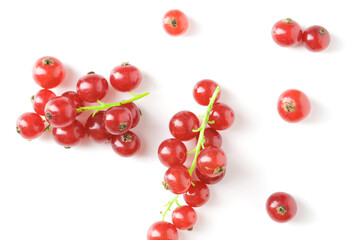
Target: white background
(88,192)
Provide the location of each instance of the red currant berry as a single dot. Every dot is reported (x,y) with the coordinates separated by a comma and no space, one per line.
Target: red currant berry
(293,105)
(172,152)
(222,116)
(177,179)
(40,100)
(125,77)
(118,120)
(212,138)
(182,125)
(286,32)
(126,144)
(211,162)
(92,87)
(175,22)
(197,195)
(95,128)
(60,111)
(316,38)
(162,231)
(184,217)
(281,207)
(135,113)
(30,125)
(74,96)
(48,72)
(69,135)
(209,180)
(204,90)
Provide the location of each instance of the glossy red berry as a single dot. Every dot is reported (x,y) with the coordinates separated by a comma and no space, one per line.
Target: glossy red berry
(60,111)
(135,113)
(48,72)
(74,96)
(197,194)
(281,207)
(40,100)
(211,162)
(172,152)
(212,138)
(286,32)
(95,128)
(126,144)
(222,116)
(209,180)
(184,217)
(125,78)
(117,120)
(182,125)
(92,87)
(293,105)
(177,179)
(30,125)
(69,135)
(162,231)
(175,22)
(316,38)
(204,90)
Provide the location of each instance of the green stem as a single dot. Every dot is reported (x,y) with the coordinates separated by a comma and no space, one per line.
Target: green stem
(169,206)
(109,105)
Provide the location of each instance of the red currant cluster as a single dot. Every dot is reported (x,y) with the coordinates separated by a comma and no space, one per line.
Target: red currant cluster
(287,33)
(109,122)
(209,163)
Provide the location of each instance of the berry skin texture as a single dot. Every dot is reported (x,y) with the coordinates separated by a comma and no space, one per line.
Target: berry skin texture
(92,87)
(175,22)
(74,96)
(117,120)
(95,128)
(209,180)
(286,32)
(222,115)
(125,78)
(184,217)
(172,152)
(60,111)
(211,162)
(48,72)
(212,138)
(30,125)
(204,90)
(182,125)
(162,231)
(40,100)
(281,207)
(126,144)
(316,38)
(198,195)
(293,105)
(69,135)
(177,179)
(135,113)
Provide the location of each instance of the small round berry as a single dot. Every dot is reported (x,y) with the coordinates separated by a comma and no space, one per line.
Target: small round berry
(48,72)
(286,32)
(126,144)
(197,195)
(30,125)
(175,22)
(177,179)
(211,162)
(204,90)
(162,231)
(60,111)
(40,99)
(184,217)
(293,105)
(117,120)
(125,78)
(222,116)
(209,180)
(92,87)
(172,152)
(95,128)
(182,125)
(69,135)
(316,38)
(281,207)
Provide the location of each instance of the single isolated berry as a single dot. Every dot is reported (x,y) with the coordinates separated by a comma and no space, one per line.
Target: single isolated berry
(184,217)
(293,105)
(162,231)
(281,207)
(126,144)
(172,152)
(92,87)
(30,125)
(48,72)
(203,91)
(175,22)
(125,78)
(286,32)
(316,38)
